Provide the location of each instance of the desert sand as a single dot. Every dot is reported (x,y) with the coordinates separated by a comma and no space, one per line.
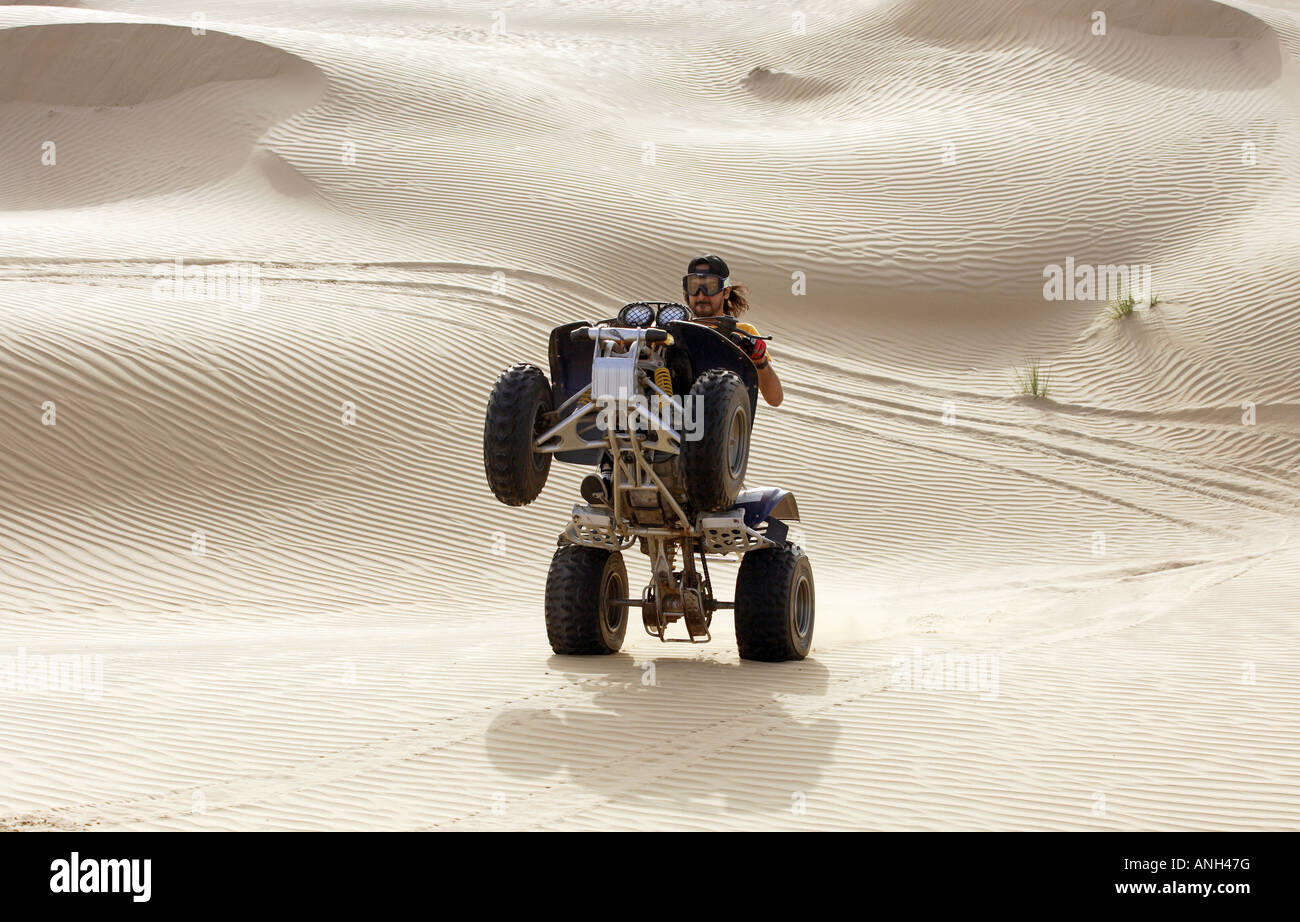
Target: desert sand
(252,577)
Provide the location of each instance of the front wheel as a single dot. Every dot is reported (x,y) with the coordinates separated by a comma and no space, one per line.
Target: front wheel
(714,461)
(774,605)
(516,415)
(581,588)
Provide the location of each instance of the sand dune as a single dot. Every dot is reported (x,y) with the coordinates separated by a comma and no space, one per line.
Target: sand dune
(303,619)
(149,110)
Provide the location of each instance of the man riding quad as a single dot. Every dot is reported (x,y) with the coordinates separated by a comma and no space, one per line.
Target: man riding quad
(661,400)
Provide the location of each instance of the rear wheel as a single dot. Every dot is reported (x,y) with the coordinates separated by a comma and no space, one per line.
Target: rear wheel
(581,586)
(714,464)
(775,605)
(516,413)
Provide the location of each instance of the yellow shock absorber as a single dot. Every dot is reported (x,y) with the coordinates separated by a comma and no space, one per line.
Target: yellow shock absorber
(664,379)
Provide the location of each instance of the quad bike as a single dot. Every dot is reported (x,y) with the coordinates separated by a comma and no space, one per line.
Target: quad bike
(663,405)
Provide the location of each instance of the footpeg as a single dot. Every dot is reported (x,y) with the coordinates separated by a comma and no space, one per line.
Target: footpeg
(593,527)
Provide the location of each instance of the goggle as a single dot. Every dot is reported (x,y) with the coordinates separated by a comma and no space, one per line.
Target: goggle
(703,283)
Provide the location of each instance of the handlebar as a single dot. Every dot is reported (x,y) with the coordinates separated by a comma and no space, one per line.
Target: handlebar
(651,335)
(726,325)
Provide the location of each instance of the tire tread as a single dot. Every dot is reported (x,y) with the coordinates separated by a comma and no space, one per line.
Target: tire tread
(572,600)
(708,484)
(763,590)
(507,428)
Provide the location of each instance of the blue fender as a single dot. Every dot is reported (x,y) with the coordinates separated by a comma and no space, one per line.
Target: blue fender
(761,502)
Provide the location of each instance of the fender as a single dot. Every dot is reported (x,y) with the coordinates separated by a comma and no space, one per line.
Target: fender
(708,348)
(570,373)
(702,348)
(570,361)
(761,502)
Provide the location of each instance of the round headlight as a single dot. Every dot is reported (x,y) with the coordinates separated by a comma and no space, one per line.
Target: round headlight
(671,313)
(636,314)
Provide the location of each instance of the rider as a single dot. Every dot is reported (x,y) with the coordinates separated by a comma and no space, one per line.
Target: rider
(710,295)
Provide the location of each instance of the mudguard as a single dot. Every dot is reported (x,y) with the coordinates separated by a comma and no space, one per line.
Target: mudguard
(708,349)
(761,502)
(570,361)
(696,348)
(570,373)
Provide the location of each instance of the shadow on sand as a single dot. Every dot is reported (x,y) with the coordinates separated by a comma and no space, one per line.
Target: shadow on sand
(691,732)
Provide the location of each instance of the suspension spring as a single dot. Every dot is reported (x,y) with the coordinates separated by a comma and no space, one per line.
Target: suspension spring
(664,380)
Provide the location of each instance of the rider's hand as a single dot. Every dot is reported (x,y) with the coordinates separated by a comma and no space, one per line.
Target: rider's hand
(754,347)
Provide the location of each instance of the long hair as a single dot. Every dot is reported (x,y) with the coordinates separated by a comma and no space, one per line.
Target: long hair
(737,302)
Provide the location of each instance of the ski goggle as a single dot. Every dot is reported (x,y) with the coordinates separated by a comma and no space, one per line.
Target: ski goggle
(703,283)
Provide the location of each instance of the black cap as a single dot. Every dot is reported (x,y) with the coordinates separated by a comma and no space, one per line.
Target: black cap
(716,265)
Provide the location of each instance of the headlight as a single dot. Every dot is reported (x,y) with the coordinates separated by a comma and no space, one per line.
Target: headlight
(671,313)
(636,314)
